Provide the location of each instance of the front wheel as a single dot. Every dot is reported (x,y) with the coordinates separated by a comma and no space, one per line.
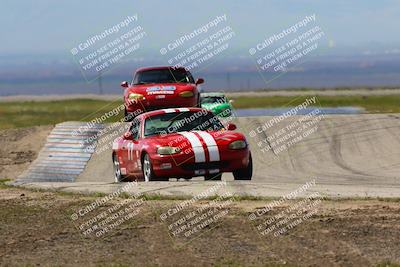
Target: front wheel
(127,116)
(148,172)
(198,101)
(245,173)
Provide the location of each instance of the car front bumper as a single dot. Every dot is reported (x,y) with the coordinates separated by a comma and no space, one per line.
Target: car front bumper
(152,103)
(180,165)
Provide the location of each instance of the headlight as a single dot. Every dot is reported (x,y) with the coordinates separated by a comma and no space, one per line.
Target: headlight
(186,94)
(238,144)
(168,150)
(135,96)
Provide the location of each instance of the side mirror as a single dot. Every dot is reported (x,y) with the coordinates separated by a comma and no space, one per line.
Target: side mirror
(231,127)
(125,84)
(199,81)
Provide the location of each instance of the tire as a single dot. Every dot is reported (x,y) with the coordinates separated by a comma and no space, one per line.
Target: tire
(245,173)
(126,116)
(198,101)
(148,172)
(117,170)
(213,177)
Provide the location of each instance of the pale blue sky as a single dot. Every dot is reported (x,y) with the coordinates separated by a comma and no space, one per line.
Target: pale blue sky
(47,26)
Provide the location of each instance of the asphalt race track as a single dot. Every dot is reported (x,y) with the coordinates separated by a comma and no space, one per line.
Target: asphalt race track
(346,156)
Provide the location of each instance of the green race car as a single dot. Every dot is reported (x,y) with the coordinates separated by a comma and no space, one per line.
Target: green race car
(217,103)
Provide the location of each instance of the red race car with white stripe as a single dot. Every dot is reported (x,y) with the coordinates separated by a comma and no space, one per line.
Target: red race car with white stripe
(180,143)
(160,87)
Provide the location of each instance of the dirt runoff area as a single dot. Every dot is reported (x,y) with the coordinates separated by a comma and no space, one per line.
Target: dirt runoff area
(19,147)
(39,229)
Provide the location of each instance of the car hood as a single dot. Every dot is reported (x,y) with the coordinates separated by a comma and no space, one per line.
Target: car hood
(197,138)
(215,106)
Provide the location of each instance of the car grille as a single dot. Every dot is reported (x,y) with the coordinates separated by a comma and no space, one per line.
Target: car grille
(205,165)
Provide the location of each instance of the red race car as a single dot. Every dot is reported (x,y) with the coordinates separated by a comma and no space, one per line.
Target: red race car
(160,87)
(180,143)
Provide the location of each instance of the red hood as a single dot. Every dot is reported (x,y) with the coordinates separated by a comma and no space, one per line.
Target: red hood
(221,138)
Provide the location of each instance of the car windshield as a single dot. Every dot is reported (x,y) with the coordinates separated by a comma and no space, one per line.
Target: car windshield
(181,122)
(213,99)
(163,76)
